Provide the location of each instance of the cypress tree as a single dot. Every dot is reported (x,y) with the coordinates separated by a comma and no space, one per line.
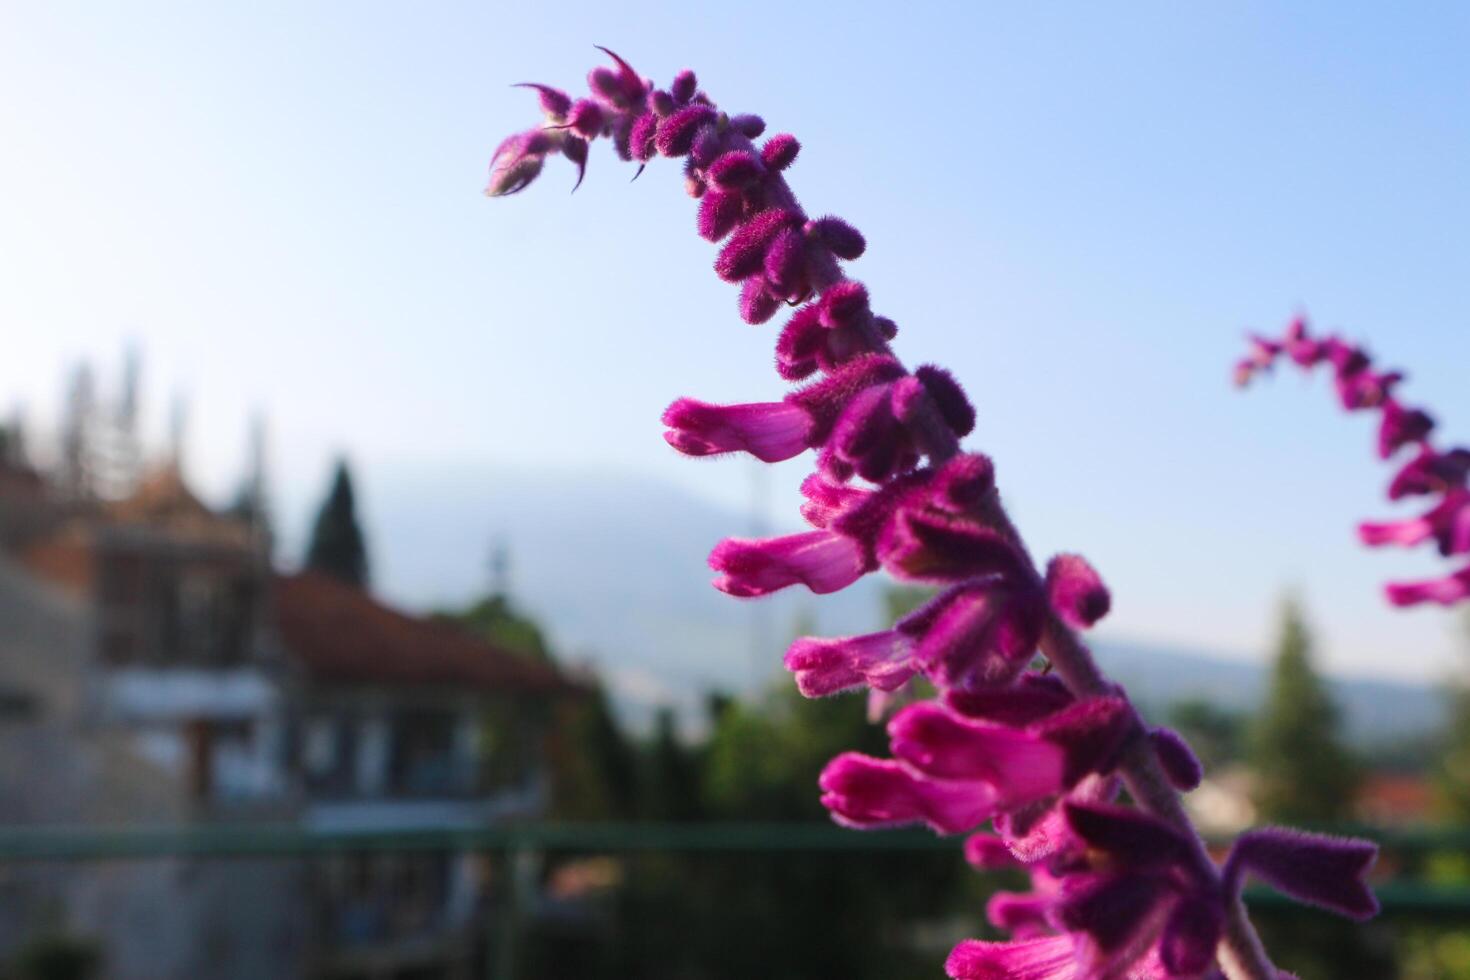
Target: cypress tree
(1452,775)
(1305,774)
(337,547)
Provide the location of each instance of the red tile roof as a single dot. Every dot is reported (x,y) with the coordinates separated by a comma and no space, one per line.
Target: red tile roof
(341,634)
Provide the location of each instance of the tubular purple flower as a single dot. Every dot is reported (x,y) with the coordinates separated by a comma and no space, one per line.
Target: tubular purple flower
(1314,868)
(867,794)
(1447,524)
(1400,427)
(1048,958)
(769,431)
(1453,588)
(517,161)
(823,561)
(1076,591)
(881,661)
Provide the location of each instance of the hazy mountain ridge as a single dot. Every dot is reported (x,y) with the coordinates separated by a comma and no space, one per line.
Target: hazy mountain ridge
(614,566)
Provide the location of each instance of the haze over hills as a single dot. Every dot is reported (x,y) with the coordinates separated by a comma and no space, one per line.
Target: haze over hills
(613,565)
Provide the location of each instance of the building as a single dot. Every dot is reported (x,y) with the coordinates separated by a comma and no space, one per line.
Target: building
(155,668)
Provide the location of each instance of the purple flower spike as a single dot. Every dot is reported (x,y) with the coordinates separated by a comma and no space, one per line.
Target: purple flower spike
(1076,591)
(1037,959)
(719,213)
(1447,591)
(1313,868)
(676,133)
(1430,472)
(745,252)
(868,793)
(684,87)
(769,431)
(735,170)
(1176,758)
(554,102)
(757,301)
(881,661)
(845,241)
(1119,892)
(1400,427)
(823,561)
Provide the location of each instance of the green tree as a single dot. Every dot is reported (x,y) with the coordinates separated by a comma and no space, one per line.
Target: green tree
(337,547)
(1305,774)
(1452,778)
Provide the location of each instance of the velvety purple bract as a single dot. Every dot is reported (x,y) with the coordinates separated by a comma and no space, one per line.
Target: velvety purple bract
(1076,591)
(1176,758)
(676,133)
(1312,868)
(780,151)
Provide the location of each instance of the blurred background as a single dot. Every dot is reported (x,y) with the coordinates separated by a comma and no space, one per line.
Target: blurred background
(354,620)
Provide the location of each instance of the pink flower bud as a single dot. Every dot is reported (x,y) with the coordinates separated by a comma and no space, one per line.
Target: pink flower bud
(735,170)
(757,303)
(845,241)
(554,102)
(676,133)
(640,137)
(780,150)
(719,213)
(748,125)
(684,86)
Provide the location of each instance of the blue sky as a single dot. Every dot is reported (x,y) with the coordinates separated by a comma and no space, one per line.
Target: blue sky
(1078,209)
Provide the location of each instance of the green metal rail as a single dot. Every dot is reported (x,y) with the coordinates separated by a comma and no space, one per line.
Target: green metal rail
(60,843)
(72,844)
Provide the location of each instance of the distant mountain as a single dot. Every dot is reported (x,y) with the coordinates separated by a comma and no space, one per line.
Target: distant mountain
(1373,710)
(614,567)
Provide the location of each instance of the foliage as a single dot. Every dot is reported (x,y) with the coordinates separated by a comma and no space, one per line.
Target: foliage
(337,546)
(1304,772)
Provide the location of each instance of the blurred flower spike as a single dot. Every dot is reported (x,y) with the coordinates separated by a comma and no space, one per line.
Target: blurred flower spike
(1027,747)
(1429,471)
